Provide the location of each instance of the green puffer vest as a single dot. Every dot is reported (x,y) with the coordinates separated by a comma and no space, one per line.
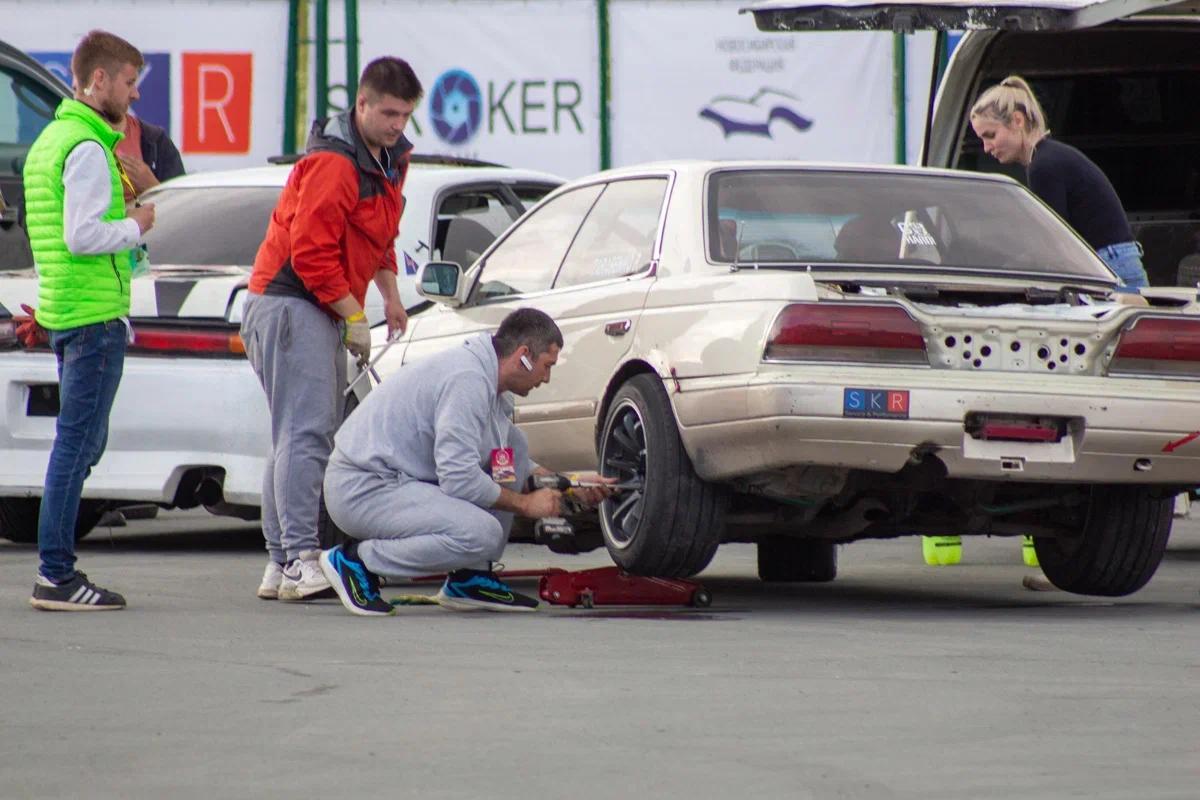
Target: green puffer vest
(73,290)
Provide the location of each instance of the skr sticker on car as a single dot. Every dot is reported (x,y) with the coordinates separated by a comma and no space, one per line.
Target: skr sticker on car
(875,403)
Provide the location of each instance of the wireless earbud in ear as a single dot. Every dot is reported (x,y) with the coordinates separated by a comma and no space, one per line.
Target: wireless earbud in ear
(526,363)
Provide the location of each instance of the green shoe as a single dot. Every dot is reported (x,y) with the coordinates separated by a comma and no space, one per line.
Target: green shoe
(941,551)
(1028,553)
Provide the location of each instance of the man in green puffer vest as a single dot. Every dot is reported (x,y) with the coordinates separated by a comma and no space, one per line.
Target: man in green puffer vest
(84,243)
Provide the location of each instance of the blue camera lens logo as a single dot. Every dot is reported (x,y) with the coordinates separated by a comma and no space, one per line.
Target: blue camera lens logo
(455,106)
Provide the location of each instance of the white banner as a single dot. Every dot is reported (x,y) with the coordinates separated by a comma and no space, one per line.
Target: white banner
(514,82)
(215,74)
(694,79)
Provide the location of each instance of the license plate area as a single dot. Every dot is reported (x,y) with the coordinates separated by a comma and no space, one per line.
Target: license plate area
(1013,440)
(41,400)
(1026,428)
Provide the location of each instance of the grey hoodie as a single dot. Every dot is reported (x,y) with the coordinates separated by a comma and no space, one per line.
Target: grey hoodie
(436,420)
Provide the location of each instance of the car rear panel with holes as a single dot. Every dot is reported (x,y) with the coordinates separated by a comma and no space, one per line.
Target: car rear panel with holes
(984,397)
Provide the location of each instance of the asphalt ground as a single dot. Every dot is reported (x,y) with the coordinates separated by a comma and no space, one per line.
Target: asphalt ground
(896,680)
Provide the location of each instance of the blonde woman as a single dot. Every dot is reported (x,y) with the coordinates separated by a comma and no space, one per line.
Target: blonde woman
(1010,122)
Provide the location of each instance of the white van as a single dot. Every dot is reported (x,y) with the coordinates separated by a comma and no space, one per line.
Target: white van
(1119,79)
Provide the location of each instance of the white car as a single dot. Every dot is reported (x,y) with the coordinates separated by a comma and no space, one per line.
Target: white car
(189,425)
(806,355)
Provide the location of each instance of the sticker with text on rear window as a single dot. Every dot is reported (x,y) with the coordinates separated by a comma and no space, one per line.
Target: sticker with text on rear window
(876,403)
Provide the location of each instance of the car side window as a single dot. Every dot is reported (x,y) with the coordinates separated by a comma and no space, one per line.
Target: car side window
(617,238)
(528,259)
(25,108)
(468,222)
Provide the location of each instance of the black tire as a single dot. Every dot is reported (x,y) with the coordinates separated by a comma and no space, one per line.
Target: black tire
(19,518)
(672,525)
(329,535)
(787,559)
(1119,545)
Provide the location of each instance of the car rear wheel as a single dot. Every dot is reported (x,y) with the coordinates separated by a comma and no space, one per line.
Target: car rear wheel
(672,523)
(1118,547)
(787,559)
(19,518)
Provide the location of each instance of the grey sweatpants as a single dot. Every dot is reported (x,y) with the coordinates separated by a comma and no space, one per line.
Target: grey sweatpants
(297,352)
(411,528)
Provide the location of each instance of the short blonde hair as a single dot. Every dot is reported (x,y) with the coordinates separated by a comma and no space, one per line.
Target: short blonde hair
(1009,95)
(106,51)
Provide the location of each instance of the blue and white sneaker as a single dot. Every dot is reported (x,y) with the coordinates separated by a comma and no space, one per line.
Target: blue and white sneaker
(477,590)
(356,586)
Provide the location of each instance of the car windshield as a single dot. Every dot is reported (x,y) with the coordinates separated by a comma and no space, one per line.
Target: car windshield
(889,219)
(209,226)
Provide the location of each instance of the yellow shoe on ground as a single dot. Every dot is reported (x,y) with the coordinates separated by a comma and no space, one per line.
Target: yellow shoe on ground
(941,551)
(1028,553)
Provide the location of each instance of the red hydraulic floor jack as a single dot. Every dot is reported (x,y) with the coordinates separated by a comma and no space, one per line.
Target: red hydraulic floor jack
(609,586)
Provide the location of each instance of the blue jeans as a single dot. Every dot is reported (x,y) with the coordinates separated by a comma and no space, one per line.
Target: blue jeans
(1125,259)
(90,361)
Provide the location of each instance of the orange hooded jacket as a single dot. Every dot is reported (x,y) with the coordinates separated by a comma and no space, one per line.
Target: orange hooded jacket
(336,221)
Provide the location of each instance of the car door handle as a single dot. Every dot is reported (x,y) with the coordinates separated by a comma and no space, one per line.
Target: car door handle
(618,328)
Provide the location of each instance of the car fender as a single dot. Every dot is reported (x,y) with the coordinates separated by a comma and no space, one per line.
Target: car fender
(702,325)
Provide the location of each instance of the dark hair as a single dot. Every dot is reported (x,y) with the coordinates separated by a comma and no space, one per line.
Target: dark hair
(102,50)
(392,76)
(529,327)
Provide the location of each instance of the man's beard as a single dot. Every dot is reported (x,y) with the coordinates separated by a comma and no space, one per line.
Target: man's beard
(111,112)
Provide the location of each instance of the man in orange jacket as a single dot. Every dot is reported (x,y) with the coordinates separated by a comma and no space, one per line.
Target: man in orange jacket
(333,231)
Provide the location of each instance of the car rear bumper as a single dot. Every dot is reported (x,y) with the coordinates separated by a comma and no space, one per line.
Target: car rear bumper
(171,415)
(1128,431)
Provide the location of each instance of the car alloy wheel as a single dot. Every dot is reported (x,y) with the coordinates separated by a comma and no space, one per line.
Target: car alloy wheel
(671,523)
(624,458)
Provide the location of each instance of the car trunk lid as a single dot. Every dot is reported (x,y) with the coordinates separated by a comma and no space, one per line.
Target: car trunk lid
(906,17)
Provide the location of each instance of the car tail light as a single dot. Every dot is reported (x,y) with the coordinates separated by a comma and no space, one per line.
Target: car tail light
(1164,346)
(187,341)
(881,333)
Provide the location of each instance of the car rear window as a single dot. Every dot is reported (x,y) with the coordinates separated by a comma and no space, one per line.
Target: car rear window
(886,219)
(209,226)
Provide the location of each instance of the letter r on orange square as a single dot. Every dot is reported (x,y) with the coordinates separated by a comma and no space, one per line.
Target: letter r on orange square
(216,102)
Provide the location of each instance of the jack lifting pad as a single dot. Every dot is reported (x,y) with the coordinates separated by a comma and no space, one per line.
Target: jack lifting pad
(609,586)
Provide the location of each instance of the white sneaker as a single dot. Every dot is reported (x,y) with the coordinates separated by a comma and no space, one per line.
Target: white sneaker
(303,578)
(272,577)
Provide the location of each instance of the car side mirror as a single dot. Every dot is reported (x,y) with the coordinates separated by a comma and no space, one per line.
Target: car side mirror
(440,281)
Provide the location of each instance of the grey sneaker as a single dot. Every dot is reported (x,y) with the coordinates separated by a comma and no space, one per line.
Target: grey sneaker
(76,594)
(303,579)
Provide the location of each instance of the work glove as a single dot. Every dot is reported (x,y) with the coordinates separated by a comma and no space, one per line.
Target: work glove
(356,335)
(30,332)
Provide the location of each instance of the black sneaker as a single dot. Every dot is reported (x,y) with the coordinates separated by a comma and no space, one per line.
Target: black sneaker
(76,594)
(477,590)
(356,586)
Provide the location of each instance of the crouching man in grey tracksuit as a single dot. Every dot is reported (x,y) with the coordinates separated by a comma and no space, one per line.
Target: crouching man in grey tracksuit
(426,474)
